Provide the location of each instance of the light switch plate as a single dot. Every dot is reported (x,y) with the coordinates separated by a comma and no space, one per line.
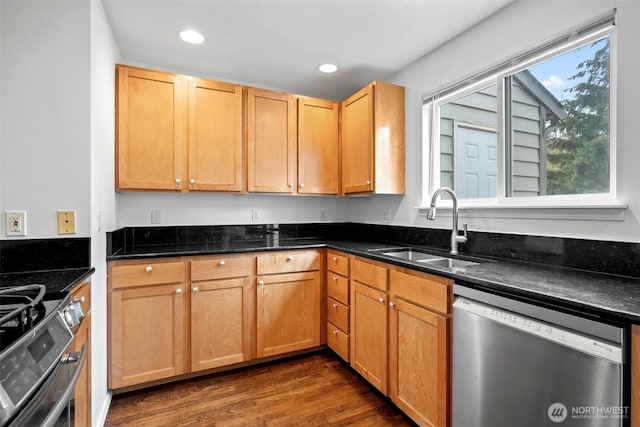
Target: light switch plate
(66,222)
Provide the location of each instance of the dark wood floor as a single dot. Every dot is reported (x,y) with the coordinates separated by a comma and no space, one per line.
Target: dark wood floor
(315,390)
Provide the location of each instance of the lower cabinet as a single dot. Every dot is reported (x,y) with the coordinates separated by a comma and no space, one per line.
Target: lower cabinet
(82,411)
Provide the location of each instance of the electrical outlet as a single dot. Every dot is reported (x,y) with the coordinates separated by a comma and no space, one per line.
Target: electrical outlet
(67,222)
(255,215)
(323,215)
(386,216)
(156,216)
(16,223)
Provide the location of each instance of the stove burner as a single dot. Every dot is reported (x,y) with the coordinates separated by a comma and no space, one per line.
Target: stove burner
(20,309)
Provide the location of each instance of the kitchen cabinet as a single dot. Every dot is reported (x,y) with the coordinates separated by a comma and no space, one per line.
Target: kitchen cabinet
(221,311)
(146,330)
(216,144)
(272,145)
(288,299)
(151,129)
(318,146)
(419,346)
(178,133)
(369,322)
(373,138)
(82,411)
(338,307)
(635,376)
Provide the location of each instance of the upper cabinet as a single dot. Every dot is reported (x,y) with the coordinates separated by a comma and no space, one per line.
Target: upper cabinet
(151,129)
(186,134)
(318,146)
(271,133)
(177,133)
(216,144)
(373,140)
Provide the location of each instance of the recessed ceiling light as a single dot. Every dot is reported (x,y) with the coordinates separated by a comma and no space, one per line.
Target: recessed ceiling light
(328,68)
(191,36)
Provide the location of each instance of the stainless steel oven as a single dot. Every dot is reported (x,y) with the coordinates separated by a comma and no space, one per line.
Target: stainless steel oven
(38,369)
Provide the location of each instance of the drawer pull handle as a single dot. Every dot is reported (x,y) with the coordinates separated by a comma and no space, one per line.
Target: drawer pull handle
(222,263)
(289,258)
(149,269)
(178,291)
(195,289)
(381,300)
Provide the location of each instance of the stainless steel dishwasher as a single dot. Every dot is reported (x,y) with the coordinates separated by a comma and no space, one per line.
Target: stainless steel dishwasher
(517,364)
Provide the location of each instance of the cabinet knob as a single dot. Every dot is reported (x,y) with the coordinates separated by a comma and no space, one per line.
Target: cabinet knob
(335,305)
(368,182)
(178,181)
(260,282)
(149,269)
(82,299)
(381,300)
(335,259)
(335,278)
(301,185)
(290,185)
(195,289)
(222,263)
(178,291)
(192,181)
(289,258)
(335,332)
(391,304)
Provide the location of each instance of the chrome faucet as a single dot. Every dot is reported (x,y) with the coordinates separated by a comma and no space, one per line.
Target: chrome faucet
(455,237)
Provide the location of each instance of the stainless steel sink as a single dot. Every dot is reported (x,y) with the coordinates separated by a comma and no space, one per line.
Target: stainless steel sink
(449,263)
(412,255)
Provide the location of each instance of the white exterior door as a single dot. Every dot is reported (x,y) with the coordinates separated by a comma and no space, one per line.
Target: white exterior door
(476,167)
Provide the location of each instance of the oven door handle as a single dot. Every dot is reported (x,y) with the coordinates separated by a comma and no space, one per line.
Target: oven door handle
(61,403)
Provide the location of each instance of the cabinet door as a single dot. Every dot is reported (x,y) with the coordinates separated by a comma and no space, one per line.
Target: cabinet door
(318,155)
(220,323)
(271,134)
(419,363)
(215,136)
(357,142)
(288,312)
(151,130)
(83,337)
(146,337)
(369,334)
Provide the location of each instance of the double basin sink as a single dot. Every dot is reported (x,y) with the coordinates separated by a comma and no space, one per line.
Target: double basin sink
(427,259)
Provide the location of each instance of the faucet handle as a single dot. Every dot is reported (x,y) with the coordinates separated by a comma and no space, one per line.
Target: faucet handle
(464,229)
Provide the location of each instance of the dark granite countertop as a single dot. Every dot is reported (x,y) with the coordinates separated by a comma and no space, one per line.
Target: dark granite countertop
(609,297)
(56,281)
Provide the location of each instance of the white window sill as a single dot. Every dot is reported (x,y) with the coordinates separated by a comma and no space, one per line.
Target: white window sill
(569,211)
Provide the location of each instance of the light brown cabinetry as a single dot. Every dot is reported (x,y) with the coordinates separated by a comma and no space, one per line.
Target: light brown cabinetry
(221,311)
(635,376)
(419,346)
(82,413)
(288,302)
(177,132)
(318,146)
(369,321)
(338,307)
(151,129)
(216,144)
(146,330)
(271,135)
(373,135)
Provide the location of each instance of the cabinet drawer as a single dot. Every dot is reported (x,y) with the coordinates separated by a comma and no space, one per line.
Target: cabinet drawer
(287,262)
(338,287)
(82,293)
(420,290)
(369,274)
(338,314)
(220,268)
(338,263)
(338,341)
(124,276)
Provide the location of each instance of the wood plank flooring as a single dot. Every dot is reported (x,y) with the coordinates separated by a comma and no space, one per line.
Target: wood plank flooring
(313,390)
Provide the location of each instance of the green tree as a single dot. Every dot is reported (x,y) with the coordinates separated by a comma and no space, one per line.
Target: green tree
(578,153)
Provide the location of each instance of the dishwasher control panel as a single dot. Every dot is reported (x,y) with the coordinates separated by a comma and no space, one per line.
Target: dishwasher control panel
(580,342)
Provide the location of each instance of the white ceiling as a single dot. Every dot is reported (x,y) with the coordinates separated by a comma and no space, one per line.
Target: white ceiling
(279,43)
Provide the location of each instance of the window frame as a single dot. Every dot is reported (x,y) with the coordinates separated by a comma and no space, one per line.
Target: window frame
(594,206)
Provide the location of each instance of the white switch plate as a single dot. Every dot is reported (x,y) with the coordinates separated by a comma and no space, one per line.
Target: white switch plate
(255,215)
(156,216)
(16,223)
(386,216)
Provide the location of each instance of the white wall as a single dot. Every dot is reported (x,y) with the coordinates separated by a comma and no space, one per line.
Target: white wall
(104,53)
(515,28)
(45,134)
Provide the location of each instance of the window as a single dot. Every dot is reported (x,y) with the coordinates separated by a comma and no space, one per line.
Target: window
(538,129)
